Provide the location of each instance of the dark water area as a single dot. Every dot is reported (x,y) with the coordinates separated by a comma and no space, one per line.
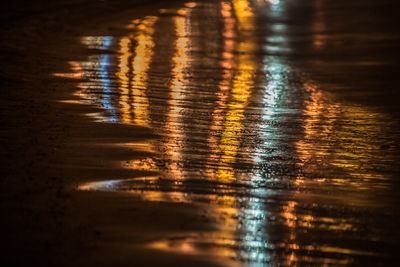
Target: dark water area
(279,118)
(354,47)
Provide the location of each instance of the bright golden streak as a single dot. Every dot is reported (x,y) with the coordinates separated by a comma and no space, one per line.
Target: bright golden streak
(122,74)
(141,64)
(190,5)
(241,91)
(133,100)
(245,15)
(227,65)
(180,62)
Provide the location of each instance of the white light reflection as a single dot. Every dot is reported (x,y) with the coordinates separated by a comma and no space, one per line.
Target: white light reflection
(102,64)
(255,240)
(252,215)
(278,41)
(97,42)
(273,2)
(104,75)
(108,185)
(276,72)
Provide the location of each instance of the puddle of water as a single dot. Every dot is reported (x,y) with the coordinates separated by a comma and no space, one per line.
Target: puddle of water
(288,169)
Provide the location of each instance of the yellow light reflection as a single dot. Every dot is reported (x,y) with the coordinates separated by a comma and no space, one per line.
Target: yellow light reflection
(318,26)
(122,74)
(353,150)
(251,215)
(180,61)
(133,102)
(76,74)
(227,63)
(241,91)
(141,63)
(245,16)
(133,79)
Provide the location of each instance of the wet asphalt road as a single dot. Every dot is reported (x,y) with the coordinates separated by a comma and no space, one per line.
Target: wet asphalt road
(279,117)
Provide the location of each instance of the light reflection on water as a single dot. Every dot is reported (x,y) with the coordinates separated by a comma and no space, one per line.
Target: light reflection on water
(241,130)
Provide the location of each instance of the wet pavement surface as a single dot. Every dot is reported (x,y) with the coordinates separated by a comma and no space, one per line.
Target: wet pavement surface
(265,117)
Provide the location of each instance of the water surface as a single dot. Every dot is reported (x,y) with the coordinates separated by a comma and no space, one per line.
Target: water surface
(292,171)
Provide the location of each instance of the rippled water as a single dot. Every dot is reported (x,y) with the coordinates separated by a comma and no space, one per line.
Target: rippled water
(292,173)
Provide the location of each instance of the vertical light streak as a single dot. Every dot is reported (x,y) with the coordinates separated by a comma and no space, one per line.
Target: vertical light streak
(241,91)
(133,76)
(124,81)
(101,64)
(227,63)
(133,72)
(181,63)
(251,214)
(318,26)
(140,66)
